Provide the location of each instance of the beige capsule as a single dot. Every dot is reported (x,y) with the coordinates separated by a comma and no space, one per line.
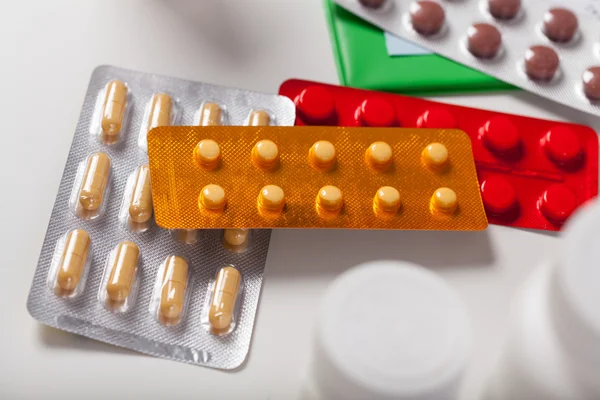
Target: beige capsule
(172,294)
(211,114)
(122,271)
(187,236)
(259,118)
(161,106)
(95,179)
(225,293)
(113,112)
(236,239)
(72,261)
(140,206)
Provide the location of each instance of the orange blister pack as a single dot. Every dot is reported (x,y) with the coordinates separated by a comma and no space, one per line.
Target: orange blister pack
(314,177)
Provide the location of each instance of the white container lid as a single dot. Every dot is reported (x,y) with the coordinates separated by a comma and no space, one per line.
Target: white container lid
(390,330)
(576,291)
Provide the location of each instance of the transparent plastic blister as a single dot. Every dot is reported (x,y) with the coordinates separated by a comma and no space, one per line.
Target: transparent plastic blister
(107,296)
(435,30)
(91,189)
(223,301)
(260,118)
(70,264)
(377,6)
(549,48)
(187,236)
(136,210)
(211,113)
(504,15)
(119,285)
(172,286)
(111,115)
(237,240)
(162,109)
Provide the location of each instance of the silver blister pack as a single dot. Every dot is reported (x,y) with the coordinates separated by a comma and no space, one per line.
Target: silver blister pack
(100,176)
(547,47)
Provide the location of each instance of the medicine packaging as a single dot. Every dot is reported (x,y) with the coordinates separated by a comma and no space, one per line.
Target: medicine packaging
(533,173)
(314,177)
(548,48)
(107,271)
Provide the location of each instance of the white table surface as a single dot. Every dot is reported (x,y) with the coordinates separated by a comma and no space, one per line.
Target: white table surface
(49,51)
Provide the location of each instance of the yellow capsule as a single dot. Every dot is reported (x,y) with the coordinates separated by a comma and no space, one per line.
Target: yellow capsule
(444,201)
(225,293)
(265,154)
(235,239)
(379,155)
(211,114)
(259,118)
(435,156)
(113,113)
(271,199)
(212,197)
(386,200)
(330,199)
(207,154)
(322,155)
(94,182)
(160,110)
(72,261)
(140,207)
(172,294)
(122,271)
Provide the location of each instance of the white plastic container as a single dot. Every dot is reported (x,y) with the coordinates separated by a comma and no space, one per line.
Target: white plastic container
(552,351)
(389,330)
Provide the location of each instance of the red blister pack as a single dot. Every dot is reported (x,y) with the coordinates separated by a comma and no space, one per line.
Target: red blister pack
(533,173)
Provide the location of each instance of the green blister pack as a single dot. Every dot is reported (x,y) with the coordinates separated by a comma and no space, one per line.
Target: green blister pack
(362,61)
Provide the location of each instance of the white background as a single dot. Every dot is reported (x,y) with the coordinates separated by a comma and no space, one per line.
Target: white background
(49,49)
